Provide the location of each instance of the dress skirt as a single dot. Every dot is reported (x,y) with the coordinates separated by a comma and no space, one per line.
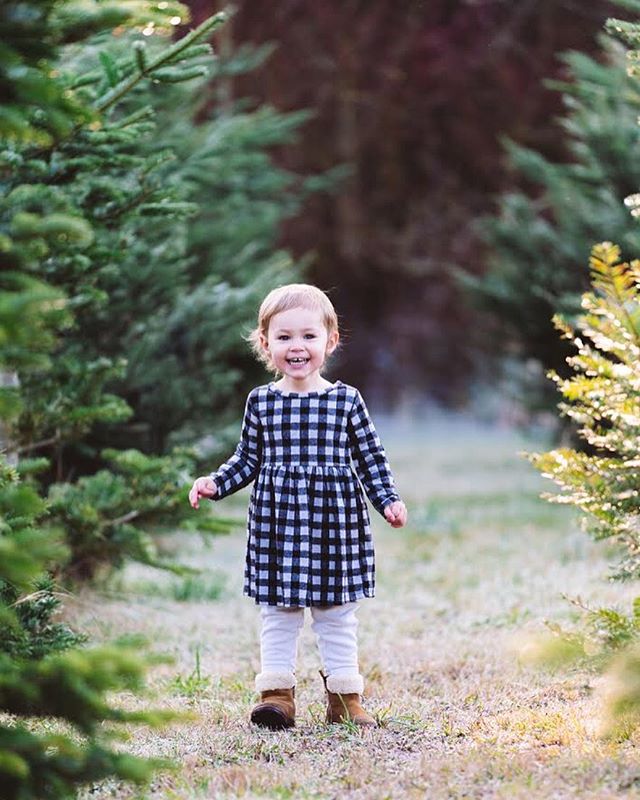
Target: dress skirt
(308,534)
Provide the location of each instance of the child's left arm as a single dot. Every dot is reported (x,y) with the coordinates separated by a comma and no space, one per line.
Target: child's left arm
(372,466)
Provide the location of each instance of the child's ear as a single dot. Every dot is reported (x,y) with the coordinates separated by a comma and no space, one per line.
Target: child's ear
(332,341)
(264,343)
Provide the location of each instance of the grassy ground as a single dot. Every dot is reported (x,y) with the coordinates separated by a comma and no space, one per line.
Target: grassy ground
(483,562)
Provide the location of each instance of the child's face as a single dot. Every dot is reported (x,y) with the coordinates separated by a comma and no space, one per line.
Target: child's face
(298,342)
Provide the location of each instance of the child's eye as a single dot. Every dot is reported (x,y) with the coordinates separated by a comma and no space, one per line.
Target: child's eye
(310,336)
(283,337)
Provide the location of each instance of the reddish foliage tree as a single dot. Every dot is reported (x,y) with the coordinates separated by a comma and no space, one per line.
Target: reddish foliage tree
(415,95)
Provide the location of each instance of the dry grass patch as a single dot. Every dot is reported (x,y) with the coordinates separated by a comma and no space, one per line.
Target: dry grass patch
(482,561)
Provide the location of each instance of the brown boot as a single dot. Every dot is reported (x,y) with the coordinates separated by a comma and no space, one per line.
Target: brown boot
(343,706)
(276,709)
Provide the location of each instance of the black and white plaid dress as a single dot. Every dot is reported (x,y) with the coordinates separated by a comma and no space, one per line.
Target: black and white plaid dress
(309,540)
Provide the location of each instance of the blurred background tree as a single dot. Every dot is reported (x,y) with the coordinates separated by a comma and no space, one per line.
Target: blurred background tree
(415,97)
(540,239)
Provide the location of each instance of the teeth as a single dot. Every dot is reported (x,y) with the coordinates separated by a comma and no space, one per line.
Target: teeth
(298,360)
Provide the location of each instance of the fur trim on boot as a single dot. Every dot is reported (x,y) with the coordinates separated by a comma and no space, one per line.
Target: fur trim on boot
(266,681)
(345,706)
(345,684)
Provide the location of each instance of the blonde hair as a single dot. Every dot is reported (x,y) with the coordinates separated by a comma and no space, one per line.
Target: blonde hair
(284,298)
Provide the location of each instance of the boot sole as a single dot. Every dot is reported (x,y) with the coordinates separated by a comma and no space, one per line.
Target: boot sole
(271,717)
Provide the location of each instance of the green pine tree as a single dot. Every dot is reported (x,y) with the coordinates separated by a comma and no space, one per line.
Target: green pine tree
(42,671)
(78,199)
(181,293)
(602,397)
(602,480)
(38,679)
(539,240)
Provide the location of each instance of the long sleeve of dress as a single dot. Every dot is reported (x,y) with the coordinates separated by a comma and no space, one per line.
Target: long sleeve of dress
(370,460)
(239,470)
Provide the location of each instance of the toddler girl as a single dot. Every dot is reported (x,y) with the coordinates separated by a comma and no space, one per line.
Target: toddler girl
(309,542)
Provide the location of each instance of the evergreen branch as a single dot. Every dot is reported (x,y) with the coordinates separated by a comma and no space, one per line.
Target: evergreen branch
(627,31)
(603,263)
(141,56)
(25,448)
(124,87)
(144,113)
(121,520)
(28,598)
(132,203)
(121,89)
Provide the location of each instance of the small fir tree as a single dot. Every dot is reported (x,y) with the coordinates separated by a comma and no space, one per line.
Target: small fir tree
(602,396)
(42,671)
(38,680)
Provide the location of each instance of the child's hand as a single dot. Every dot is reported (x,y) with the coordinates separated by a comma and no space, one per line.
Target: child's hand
(202,487)
(396,514)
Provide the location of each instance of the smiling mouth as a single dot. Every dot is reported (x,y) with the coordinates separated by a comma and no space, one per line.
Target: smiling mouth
(297,360)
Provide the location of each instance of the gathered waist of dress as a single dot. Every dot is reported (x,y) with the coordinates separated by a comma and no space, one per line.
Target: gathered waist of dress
(308,464)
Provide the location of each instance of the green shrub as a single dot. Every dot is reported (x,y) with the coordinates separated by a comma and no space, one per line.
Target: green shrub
(602,396)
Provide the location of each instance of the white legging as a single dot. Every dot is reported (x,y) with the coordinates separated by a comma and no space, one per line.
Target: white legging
(336,628)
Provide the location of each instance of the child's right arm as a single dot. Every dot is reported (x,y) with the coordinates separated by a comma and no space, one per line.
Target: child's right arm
(240,469)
